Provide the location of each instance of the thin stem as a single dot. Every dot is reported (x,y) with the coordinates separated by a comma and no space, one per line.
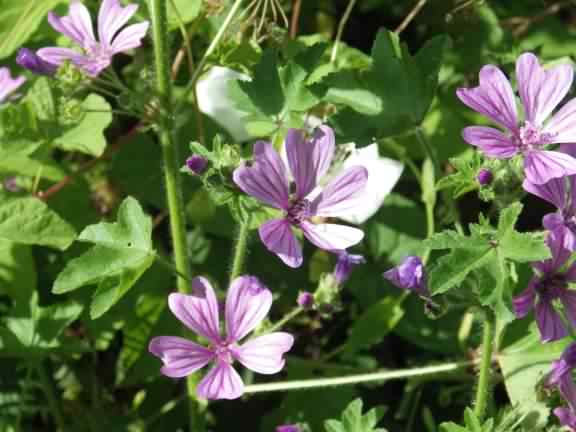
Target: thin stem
(380,376)
(171,159)
(288,317)
(296,8)
(240,250)
(341,27)
(415,10)
(211,48)
(430,152)
(50,393)
(483,389)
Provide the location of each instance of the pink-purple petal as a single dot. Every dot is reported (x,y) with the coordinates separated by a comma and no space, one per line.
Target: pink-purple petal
(542,166)
(111,17)
(300,155)
(332,237)
(553,191)
(561,128)
(524,302)
(324,145)
(8,85)
(265,179)
(247,303)
(130,37)
(221,382)
(490,141)
(57,56)
(339,196)
(278,238)
(568,299)
(180,356)
(541,90)
(549,322)
(264,353)
(493,97)
(199,312)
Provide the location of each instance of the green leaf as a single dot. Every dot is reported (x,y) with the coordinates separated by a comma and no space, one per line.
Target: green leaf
(30,221)
(374,324)
(34,330)
(524,365)
(88,136)
(182,12)
(19,19)
(449,239)
(451,269)
(17,271)
(494,288)
(122,252)
(353,421)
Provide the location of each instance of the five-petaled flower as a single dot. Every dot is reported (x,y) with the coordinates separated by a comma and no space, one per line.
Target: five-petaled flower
(8,85)
(561,377)
(247,304)
(549,285)
(540,92)
(410,274)
(96,54)
(308,160)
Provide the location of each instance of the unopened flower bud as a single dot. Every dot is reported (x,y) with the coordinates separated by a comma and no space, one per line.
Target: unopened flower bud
(305,300)
(197,164)
(345,264)
(409,274)
(28,59)
(484,177)
(288,428)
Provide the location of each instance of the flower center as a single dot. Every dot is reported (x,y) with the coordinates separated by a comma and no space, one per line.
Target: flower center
(551,286)
(99,54)
(223,352)
(529,137)
(298,211)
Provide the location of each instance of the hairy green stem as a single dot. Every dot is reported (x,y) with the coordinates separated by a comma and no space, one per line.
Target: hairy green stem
(221,31)
(340,31)
(50,393)
(240,249)
(380,376)
(171,159)
(430,152)
(484,377)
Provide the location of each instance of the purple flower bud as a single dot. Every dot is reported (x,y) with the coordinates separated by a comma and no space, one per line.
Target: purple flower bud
(484,177)
(197,164)
(11,184)
(28,59)
(345,264)
(288,428)
(305,300)
(409,274)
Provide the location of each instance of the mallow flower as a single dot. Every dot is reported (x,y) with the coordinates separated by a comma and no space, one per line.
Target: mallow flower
(28,59)
(548,285)
(247,304)
(303,203)
(8,85)
(410,274)
(541,90)
(561,377)
(96,54)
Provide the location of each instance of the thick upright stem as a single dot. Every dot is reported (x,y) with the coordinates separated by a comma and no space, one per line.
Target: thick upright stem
(240,250)
(341,28)
(171,160)
(484,377)
(53,403)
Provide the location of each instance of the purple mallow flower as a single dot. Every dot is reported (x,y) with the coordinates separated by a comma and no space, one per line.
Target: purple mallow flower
(28,59)
(96,54)
(541,90)
(308,160)
(345,265)
(197,164)
(288,428)
(484,177)
(8,85)
(410,274)
(247,304)
(550,284)
(561,377)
